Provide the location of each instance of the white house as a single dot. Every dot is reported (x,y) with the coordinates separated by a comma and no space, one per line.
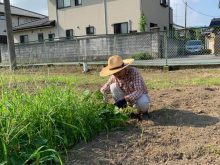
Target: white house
(68,18)
(19,17)
(88,17)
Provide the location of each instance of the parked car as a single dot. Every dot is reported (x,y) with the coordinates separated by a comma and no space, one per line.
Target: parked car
(194,47)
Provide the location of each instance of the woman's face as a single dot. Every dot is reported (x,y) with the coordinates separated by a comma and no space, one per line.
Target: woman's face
(120,74)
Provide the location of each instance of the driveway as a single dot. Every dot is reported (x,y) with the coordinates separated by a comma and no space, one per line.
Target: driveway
(189,60)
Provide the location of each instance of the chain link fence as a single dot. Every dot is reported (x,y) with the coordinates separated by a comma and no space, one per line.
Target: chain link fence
(158,48)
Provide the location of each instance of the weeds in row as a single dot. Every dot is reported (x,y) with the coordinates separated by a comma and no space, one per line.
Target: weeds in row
(37,127)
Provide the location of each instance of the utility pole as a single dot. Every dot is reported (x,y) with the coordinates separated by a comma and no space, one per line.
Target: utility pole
(185,18)
(10,38)
(106,17)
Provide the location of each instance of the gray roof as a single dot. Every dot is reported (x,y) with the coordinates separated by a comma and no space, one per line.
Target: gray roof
(21,12)
(215,22)
(45,22)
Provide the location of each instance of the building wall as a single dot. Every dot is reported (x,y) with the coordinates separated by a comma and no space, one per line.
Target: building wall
(33,34)
(19,16)
(19,20)
(217,45)
(156,13)
(92,13)
(2,27)
(21,12)
(124,11)
(16,20)
(211,42)
(52,13)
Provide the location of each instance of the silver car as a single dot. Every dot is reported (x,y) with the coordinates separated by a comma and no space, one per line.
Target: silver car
(194,47)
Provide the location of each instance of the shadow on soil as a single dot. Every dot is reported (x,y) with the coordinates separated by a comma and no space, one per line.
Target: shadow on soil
(173,117)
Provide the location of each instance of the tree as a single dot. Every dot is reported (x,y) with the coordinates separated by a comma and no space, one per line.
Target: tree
(10,38)
(142,22)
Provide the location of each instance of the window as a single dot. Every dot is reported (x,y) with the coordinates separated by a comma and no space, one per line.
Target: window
(121,28)
(164,3)
(51,37)
(165,28)
(69,33)
(63,3)
(41,37)
(78,2)
(133,31)
(90,30)
(153,25)
(24,39)
(2,17)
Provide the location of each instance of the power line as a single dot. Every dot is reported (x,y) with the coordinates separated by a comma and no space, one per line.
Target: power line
(199,12)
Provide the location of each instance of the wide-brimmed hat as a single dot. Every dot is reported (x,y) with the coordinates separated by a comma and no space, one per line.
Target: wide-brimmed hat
(115,64)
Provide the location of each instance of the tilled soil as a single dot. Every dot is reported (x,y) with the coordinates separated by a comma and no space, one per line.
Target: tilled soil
(184,128)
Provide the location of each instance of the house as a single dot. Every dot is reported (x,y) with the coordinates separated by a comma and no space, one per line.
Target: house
(209,40)
(19,17)
(94,17)
(38,30)
(214,37)
(68,18)
(215,22)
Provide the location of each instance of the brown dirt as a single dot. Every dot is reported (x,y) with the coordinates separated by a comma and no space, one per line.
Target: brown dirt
(184,129)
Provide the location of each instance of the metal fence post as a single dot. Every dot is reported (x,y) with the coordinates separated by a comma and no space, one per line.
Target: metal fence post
(165,47)
(85,66)
(77,49)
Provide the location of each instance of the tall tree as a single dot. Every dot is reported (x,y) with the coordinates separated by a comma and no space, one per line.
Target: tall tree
(10,38)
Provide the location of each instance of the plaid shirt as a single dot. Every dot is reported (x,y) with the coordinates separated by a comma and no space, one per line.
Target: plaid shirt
(132,85)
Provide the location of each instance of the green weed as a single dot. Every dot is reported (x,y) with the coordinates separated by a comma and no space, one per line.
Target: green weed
(35,127)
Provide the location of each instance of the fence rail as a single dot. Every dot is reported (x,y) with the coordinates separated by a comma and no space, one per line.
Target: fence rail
(176,47)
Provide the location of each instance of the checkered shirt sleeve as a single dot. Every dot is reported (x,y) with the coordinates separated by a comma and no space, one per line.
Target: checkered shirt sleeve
(106,87)
(139,87)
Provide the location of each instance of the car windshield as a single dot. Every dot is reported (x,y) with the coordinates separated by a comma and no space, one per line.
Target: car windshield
(192,43)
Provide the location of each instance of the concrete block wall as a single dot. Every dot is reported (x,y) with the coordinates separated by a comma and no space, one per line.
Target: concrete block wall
(175,48)
(95,48)
(217,45)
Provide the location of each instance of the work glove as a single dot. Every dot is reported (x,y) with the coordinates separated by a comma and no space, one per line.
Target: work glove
(121,103)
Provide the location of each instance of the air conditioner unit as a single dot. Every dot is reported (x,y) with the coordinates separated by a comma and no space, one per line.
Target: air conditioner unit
(164,3)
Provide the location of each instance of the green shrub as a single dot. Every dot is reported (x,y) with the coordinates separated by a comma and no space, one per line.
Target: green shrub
(207,51)
(142,56)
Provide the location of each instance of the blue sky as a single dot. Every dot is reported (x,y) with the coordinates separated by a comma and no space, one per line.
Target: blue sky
(195,18)
(207,7)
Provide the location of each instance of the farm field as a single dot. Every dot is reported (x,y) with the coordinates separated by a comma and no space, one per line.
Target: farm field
(184,127)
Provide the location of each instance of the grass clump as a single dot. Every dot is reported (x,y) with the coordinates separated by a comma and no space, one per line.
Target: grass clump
(142,56)
(36,127)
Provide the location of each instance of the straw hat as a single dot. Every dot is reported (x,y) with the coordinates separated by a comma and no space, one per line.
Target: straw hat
(115,64)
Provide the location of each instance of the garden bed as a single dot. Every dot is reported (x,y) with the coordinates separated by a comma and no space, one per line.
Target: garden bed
(184,129)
